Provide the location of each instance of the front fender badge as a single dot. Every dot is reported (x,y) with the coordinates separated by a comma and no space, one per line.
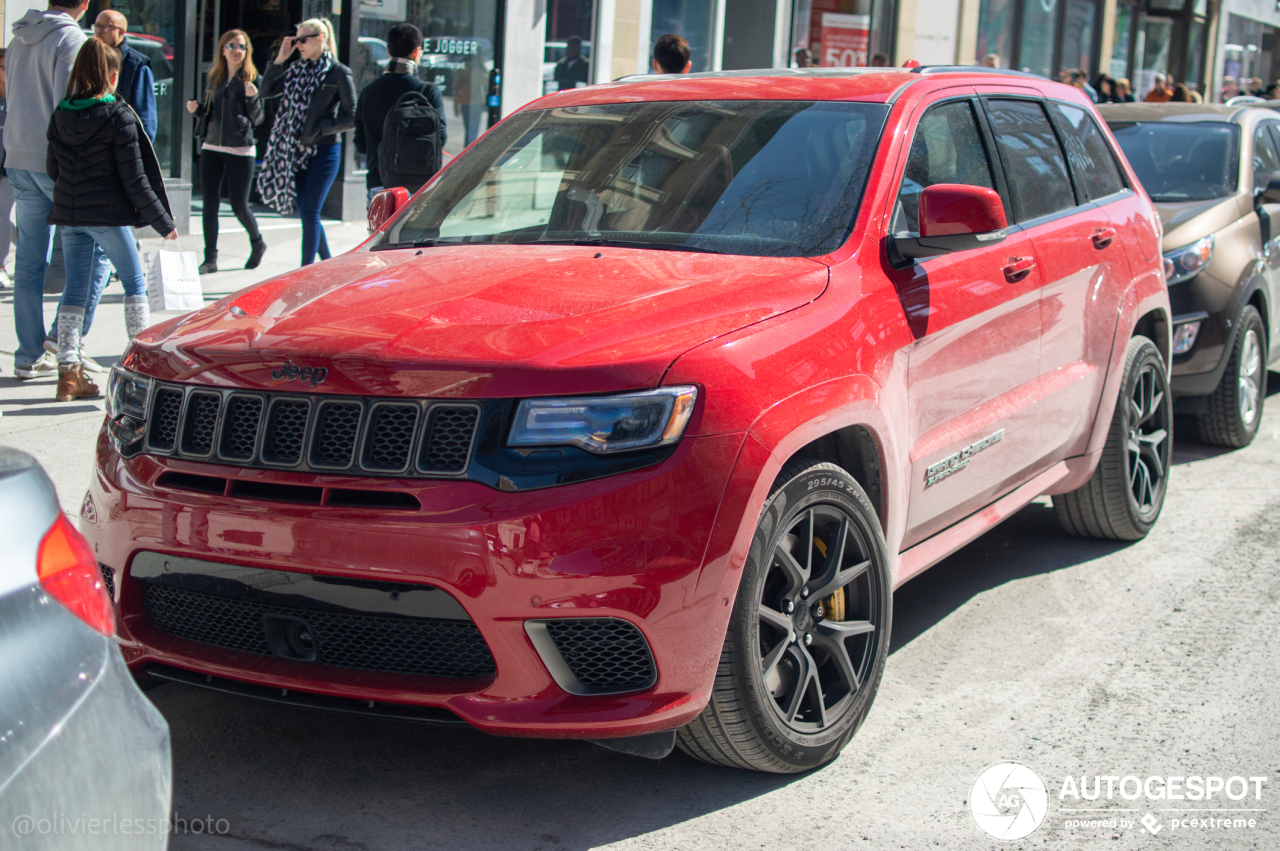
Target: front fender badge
(956,462)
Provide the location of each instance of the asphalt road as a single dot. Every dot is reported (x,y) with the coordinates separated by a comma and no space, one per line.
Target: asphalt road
(1155,659)
(1158,659)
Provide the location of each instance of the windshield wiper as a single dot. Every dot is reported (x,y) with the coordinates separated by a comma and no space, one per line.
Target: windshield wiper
(617,243)
(430,242)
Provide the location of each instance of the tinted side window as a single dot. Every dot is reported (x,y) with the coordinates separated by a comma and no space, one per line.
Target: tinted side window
(1092,164)
(947,148)
(1033,160)
(1265,160)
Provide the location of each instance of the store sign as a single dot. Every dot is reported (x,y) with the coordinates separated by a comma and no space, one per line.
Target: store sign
(844,40)
(454,46)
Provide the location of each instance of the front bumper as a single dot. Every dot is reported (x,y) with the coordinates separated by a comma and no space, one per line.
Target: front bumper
(631,546)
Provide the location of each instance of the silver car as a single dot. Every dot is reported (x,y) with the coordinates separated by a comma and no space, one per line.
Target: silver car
(84,756)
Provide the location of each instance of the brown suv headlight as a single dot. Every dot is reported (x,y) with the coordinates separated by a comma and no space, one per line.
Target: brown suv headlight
(603,424)
(1190,260)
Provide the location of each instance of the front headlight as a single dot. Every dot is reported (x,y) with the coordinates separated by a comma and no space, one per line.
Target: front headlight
(1190,260)
(605,423)
(127,409)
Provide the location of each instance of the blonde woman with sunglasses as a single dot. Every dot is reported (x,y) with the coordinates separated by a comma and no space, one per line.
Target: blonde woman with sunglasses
(231,108)
(317,97)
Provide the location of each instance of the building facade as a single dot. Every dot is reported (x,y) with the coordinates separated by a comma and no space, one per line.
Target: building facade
(489,57)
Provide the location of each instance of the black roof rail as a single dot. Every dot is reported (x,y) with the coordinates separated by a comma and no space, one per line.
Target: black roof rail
(974,69)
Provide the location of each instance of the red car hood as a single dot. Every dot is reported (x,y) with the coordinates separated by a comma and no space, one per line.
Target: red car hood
(478,321)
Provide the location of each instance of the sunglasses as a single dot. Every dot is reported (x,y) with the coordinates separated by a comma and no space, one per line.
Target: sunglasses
(104,28)
(231,46)
(300,39)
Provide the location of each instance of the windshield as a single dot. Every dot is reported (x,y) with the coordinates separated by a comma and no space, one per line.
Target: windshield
(774,178)
(1193,161)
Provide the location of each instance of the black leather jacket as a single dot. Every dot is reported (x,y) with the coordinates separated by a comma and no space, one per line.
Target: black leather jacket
(333,108)
(228,118)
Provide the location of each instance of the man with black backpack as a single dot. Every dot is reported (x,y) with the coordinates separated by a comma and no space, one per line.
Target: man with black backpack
(400,119)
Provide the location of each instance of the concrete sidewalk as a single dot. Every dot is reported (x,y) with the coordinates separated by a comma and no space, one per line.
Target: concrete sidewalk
(62,434)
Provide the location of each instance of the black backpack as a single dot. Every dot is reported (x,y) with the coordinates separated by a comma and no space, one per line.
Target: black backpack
(409,153)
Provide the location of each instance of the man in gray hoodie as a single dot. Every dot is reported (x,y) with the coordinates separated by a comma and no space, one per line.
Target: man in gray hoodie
(37,66)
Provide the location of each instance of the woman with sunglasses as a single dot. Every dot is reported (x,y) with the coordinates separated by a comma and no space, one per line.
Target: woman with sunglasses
(317,102)
(225,119)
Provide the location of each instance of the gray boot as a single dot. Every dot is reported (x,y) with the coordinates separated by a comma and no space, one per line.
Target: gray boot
(137,314)
(70,319)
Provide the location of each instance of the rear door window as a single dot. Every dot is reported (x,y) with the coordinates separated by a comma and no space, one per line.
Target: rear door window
(947,148)
(1093,167)
(1034,164)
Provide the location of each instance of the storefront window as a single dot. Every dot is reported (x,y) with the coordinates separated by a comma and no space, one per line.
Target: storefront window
(1152,53)
(1246,57)
(152,32)
(995,30)
(1119,67)
(457,55)
(1039,33)
(843,33)
(1077,34)
(567,19)
(1196,65)
(691,19)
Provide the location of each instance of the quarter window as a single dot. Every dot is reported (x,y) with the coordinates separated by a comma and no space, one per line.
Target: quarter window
(1265,161)
(947,148)
(1088,154)
(1033,160)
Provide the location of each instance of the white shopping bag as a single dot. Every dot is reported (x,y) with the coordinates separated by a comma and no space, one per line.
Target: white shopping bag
(173,282)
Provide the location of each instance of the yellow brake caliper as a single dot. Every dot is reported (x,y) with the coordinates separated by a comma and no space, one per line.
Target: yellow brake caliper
(833,606)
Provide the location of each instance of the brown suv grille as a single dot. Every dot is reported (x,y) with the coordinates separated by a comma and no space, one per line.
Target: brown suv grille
(322,434)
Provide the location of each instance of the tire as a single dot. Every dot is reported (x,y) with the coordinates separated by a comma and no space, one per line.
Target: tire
(759,717)
(1123,498)
(1233,411)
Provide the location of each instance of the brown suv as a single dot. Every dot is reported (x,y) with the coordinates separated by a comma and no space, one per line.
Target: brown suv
(1214,175)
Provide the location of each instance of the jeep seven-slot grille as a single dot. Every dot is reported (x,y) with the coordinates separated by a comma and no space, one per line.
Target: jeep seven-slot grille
(344,434)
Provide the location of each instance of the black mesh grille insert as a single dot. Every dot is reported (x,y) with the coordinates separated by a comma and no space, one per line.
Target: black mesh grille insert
(605,654)
(386,643)
(286,428)
(390,439)
(240,427)
(108,580)
(166,406)
(448,439)
(334,442)
(347,435)
(199,423)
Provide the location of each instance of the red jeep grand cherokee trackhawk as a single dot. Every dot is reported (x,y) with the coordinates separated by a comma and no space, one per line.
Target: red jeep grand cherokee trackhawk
(626,427)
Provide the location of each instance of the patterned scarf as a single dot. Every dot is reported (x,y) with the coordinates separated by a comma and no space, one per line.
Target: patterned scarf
(286,155)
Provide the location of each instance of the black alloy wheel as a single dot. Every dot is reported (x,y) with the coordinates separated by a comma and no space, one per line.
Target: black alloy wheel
(818,616)
(1148,444)
(809,635)
(1123,498)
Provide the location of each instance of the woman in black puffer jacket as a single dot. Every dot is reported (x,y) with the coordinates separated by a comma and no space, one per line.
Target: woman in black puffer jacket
(230,110)
(105,179)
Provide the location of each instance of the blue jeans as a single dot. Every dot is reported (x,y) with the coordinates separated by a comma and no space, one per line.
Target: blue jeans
(32,200)
(312,185)
(78,247)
